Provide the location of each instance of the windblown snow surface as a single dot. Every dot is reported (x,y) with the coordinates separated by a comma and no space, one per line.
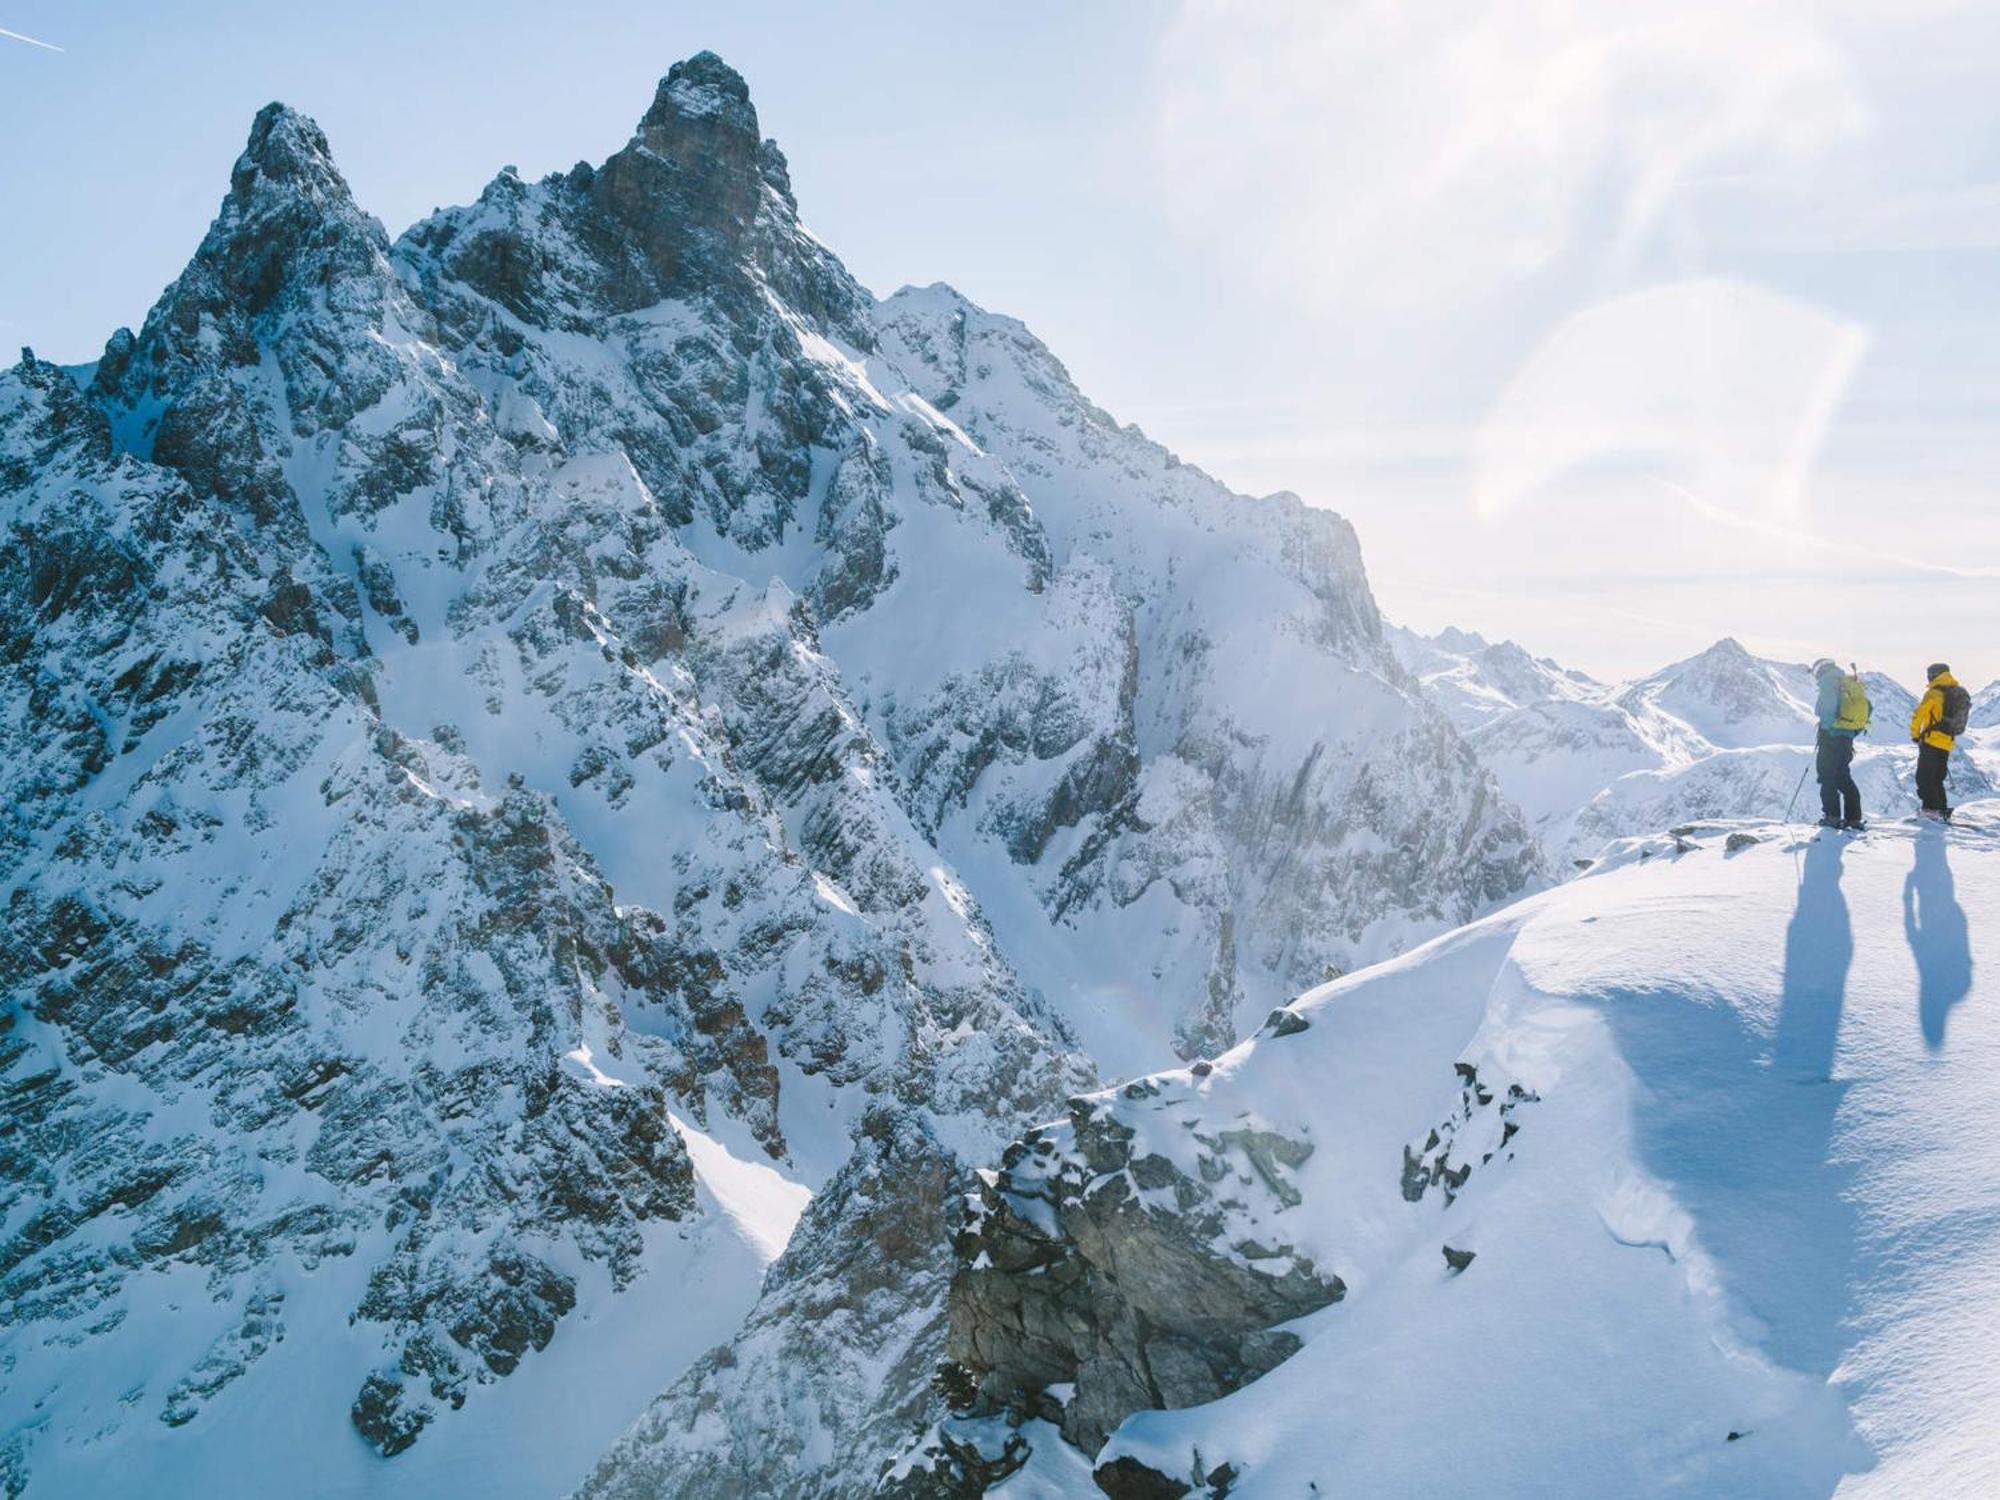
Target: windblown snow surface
(1739,1241)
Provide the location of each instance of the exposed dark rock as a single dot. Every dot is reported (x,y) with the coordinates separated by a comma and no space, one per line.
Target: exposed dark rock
(1284,1021)
(1482,1124)
(383,1420)
(1088,1264)
(950,1467)
(1126,1478)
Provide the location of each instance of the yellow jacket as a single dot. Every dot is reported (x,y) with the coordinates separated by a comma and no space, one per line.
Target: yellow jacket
(1930,708)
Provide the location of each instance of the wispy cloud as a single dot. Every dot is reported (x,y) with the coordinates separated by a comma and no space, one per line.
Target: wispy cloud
(1387,157)
(1874,558)
(1731,385)
(15,36)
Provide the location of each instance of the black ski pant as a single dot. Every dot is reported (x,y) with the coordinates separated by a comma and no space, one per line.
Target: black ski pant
(1931,763)
(1835,769)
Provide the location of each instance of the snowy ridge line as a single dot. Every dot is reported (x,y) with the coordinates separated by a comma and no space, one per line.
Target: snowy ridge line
(1740,1067)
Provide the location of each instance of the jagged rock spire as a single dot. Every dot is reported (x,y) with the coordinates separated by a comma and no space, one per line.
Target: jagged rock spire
(291,272)
(287,149)
(688,185)
(288,221)
(703,87)
(288,207)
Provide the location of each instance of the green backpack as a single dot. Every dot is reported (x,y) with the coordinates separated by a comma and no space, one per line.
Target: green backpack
(1855,709)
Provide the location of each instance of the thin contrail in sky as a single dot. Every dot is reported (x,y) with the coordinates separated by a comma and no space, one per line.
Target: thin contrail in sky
(1726,517)
(16,36)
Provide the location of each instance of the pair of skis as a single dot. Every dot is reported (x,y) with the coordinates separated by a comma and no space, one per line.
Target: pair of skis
(1918,823)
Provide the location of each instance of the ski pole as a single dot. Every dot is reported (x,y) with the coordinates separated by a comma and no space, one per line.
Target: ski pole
(1796,790)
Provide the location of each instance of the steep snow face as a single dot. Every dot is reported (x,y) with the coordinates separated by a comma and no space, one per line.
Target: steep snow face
(1682,1144)
(1723,734)
(1728,697)
(1986,707)
(1274,739)
(1475,680)
(533,749)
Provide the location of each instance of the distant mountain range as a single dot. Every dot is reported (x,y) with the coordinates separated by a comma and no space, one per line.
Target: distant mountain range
(1721,734)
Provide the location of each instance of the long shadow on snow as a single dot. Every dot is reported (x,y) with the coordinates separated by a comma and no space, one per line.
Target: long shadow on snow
(1934,923)
(1738,1124)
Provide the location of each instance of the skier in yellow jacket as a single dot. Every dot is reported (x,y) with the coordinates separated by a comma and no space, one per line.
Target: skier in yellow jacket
(1935,726)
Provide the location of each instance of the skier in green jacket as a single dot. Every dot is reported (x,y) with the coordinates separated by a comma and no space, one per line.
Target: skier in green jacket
(1843,713)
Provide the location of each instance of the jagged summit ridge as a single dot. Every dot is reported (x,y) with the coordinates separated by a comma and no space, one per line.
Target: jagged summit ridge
(469,758)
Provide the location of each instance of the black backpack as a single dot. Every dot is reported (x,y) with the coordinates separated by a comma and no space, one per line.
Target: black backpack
(1957,709)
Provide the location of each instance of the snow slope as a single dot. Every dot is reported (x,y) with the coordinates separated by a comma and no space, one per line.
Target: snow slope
(1986,707)
(1715,1126)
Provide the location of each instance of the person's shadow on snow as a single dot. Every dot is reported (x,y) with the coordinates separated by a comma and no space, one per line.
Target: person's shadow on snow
(1819,949)
(1737,1120)
(1934,923)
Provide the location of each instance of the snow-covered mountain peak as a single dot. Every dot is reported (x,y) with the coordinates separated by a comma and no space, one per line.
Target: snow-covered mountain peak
(702,127)
(288,214)
(1729,697)
(1464,642)
(1475,680)
(1986,707)
(695,209)
(703,87)
(534,748)
(942,340)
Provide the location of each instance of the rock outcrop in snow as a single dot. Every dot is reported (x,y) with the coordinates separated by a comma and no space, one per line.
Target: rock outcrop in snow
(1134,1259)
(471,701)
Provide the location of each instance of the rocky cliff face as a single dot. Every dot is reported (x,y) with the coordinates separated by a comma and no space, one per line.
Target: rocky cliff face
(1133,1279)
(485,712)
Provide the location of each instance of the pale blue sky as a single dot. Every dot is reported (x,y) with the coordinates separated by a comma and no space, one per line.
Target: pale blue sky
(1614,327)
